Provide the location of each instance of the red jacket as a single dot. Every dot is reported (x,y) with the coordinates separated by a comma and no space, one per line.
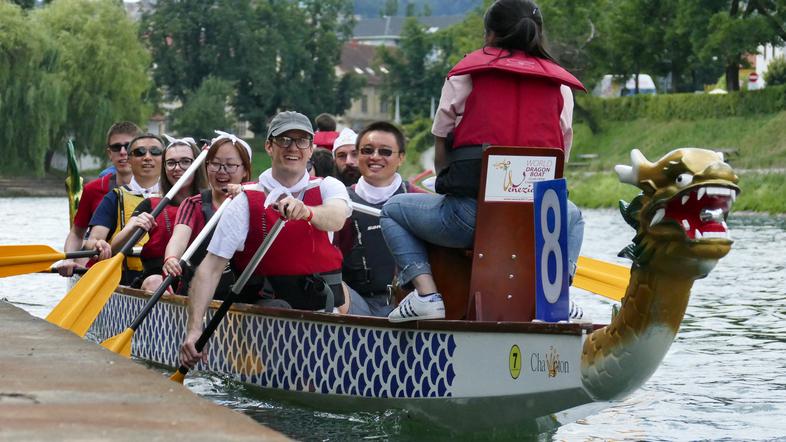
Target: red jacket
(300,249)
(162,233)
(515,100)
(325,139)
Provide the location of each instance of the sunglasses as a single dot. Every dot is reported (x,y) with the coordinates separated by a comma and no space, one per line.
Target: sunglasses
(117,147)
(382,151)
(141,151)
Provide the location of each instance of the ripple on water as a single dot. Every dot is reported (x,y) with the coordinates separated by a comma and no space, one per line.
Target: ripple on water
(724,377)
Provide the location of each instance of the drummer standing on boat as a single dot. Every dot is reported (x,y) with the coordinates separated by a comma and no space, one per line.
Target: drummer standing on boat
(302,266)
(117,139)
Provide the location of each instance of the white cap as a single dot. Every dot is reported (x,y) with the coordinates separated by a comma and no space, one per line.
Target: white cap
(347,136)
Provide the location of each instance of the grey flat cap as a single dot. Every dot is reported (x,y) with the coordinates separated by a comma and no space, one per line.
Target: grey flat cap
(289,120)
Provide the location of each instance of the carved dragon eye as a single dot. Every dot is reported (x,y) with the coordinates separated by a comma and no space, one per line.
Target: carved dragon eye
(684,179)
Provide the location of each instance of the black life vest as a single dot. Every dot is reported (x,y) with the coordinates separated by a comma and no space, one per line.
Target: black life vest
(368,267)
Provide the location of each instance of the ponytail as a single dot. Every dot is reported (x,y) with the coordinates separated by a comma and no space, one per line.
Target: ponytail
(517,25)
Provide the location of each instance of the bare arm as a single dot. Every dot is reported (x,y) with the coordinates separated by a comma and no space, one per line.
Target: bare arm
(97,241)
(329,217)
(143,220)
(202,288)
(440,154)
(73,243)
(175,248)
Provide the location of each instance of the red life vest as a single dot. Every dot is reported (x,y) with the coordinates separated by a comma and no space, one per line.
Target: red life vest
(325,138)
(299,249)
(160,235)
(515,100)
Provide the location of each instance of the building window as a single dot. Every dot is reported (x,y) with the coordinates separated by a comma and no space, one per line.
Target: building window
(364,104)
(383,106)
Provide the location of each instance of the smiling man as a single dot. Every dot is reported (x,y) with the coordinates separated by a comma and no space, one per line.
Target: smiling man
(117,139)
(302,268)
(368,267)
(144,157)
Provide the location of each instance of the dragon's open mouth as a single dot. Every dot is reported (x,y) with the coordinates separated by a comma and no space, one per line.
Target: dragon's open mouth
(701,211)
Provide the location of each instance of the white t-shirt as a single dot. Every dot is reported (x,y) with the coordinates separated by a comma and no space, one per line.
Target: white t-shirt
(454,96)
(232,228)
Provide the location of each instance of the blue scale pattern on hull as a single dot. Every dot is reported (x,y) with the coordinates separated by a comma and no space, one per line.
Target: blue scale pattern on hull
(297,355)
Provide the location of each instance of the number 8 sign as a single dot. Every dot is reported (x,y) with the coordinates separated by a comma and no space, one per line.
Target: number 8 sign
(551,257)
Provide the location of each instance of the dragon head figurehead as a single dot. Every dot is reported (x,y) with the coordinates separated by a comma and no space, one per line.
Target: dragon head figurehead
(681,233)
(680,216)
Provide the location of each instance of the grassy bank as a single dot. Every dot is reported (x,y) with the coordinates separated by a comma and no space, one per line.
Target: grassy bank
(756,146)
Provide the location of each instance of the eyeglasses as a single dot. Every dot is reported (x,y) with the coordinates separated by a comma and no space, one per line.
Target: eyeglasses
(285,142)
(141,151)
(382,151)
(117,147)
(230,168)
(184,163)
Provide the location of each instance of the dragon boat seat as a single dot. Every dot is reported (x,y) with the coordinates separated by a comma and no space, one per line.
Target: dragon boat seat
(495,280)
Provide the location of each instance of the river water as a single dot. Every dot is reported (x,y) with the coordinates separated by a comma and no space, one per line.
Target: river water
(724,377)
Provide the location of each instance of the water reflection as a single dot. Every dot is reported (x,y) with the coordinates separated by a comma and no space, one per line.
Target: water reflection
(725,376)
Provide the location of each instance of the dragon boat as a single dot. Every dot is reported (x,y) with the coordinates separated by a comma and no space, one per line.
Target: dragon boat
(491,364)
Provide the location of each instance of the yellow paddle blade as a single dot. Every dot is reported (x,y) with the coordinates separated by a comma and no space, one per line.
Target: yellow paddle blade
(23,259)
(120,343)
(178,377)
(80,307)
(603,278)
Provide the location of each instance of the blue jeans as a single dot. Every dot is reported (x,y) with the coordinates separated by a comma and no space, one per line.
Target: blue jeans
(410,220)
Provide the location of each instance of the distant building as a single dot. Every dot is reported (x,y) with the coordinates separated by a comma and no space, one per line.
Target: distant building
(386,31)
(370,106)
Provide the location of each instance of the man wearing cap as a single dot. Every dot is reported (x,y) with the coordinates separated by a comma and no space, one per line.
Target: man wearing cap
(346,157)
(302,267)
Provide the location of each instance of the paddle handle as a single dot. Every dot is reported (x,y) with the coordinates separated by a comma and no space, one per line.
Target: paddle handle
(218,316)
(139,232)
(368,210)
(81,254)
(77,271)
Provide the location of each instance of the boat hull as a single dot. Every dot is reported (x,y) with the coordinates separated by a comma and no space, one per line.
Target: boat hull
(460,375)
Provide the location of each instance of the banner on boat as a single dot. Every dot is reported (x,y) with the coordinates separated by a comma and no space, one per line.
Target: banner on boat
(551,251)
(512,177)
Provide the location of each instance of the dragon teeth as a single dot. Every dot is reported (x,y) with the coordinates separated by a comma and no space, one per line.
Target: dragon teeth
(685,199)
(719,191)
(686,224)
(700,193)
(697,234)
(658,217)
(715,235)
(725,227)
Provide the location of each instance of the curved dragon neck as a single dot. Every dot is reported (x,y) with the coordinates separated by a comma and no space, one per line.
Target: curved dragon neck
(618,358)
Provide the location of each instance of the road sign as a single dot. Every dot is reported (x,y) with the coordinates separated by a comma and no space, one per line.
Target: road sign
(753,77)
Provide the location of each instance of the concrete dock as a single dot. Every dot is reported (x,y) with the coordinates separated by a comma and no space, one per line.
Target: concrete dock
(57,386)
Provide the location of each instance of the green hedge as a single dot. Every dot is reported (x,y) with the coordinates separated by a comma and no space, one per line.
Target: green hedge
(683,106)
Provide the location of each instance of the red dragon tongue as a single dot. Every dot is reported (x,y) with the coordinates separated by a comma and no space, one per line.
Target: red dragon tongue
(701,212)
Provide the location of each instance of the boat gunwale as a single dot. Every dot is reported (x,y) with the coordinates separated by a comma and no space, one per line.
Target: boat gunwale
(355,320)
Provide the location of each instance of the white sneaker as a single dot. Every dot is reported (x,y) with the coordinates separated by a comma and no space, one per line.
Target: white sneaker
(415,308)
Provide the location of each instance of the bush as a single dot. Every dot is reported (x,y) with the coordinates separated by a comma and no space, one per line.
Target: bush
(776,72)
(689,107)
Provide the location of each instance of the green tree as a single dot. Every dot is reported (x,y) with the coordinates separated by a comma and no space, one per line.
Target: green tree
(279,55)
(32,95)
(776,72)
(102,65)
(733,34)
(416,71)
(390,9)
(205,110)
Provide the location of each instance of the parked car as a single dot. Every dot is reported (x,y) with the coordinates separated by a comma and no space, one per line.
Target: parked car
(615,86)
